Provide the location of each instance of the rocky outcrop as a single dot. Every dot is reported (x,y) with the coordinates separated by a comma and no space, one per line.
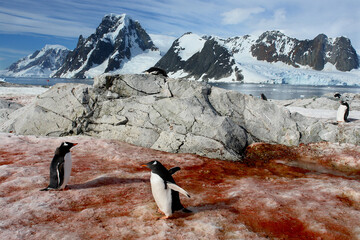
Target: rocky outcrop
(316,118)
(171,115)
(6,108)
(151,111)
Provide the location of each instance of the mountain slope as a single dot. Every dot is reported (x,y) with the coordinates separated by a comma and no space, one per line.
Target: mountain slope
(39,64)
(117,40)
(202,59)
(270,58)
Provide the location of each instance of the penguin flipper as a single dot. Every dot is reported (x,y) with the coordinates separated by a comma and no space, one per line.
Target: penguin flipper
(173,170)
(60,174)
(175,187)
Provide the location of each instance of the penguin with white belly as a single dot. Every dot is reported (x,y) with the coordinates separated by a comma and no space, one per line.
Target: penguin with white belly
(60,167)
(164,189)
(343,112)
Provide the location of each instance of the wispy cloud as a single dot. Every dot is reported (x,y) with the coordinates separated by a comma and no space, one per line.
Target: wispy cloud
(20,21)
(14,51)
(239,15)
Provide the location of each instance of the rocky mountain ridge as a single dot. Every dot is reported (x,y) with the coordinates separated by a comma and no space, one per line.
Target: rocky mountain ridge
(216,58)
(274,46)
(120,45)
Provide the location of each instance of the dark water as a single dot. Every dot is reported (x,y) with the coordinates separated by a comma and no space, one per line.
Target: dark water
(47,81)
(271,91)
(285,91)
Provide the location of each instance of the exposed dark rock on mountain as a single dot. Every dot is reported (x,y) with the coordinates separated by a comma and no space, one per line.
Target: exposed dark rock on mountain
(204,58)
(213,61)
(274,46)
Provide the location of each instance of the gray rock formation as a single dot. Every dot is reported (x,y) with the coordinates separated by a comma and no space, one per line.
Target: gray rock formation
(166,114)
(151,111)
(6,108)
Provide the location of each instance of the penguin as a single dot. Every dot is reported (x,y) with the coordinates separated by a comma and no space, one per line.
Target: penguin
(263,97)
(60,167)
(164,189)
(337,95)
(156,71)
(343,112)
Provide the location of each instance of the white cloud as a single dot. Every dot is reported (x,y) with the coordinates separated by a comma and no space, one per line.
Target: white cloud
(280,15)
(239,15)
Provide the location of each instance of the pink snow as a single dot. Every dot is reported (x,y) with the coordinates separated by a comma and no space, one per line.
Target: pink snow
(305,192)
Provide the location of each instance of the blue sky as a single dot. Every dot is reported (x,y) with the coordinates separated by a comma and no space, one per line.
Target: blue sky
(27,26)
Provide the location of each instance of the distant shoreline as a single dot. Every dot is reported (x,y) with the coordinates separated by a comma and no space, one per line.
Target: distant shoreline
(7,84)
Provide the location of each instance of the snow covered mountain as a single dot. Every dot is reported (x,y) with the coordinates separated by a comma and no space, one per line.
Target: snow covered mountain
(270,58)
(42,63)
(119,45)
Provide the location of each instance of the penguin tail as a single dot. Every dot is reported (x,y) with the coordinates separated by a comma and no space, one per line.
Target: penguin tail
(185,210)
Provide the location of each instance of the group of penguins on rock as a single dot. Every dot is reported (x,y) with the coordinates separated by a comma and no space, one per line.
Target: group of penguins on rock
(164,189)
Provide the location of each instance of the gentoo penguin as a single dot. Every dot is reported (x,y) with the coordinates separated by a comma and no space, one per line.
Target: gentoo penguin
(337,95)
(263,97)
(164,189)
(156,71)
(60,167)
(343,112)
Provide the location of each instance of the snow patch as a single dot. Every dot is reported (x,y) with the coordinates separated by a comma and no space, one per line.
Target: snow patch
(189,44)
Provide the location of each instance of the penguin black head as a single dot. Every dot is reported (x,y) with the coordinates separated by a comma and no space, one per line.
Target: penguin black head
(337,95)
(156,71)
(153,164)
(344,103)
(65,148)
(263,97)
(156,167)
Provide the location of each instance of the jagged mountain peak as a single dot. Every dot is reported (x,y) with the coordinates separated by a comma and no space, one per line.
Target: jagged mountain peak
(111,23)
(117,40)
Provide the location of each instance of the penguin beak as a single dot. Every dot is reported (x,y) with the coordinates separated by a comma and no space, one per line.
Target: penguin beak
(75,144)
(144,165)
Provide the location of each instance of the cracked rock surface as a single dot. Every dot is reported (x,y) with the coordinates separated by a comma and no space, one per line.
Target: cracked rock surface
(171,115)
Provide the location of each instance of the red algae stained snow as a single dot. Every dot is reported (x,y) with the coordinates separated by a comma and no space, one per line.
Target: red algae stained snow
(277,192)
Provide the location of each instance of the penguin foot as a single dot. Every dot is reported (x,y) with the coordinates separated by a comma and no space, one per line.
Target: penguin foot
(165,217)
(185,210)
